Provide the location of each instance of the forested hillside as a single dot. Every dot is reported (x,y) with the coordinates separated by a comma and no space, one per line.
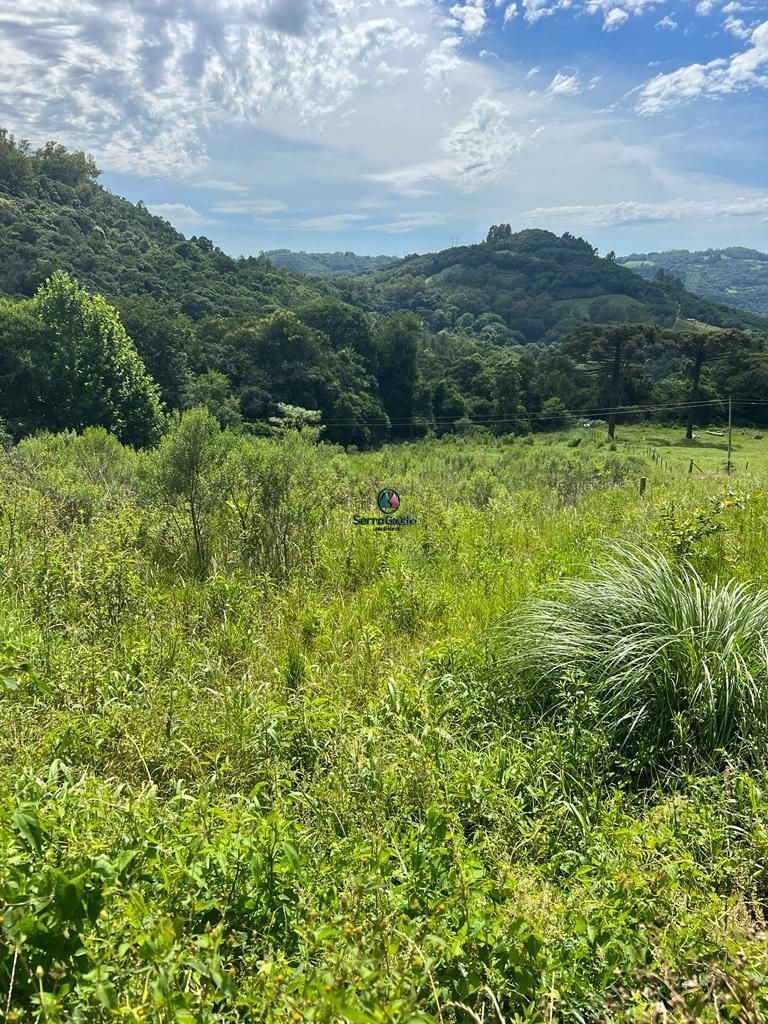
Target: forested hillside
(735,275)
(532,286)
(327,264)
(515,334)
(54,216)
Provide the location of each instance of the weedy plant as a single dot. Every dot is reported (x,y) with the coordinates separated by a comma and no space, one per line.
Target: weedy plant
(684,532)
(256,765)
(677,666)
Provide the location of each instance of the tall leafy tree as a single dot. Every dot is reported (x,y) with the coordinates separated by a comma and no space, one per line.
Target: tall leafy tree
(398,348)
(165,341)
(54,161)
(612,352)
(212,391)
(510,415)
(697,348)
(344,325)
(281,359)
(498,232)
(21,374)
(448,406)
(743,373)
(15,166)
(94,374)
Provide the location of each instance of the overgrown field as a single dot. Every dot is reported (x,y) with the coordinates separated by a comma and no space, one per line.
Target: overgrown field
(259,764)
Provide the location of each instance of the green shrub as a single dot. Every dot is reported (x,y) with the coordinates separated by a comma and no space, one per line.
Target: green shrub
(678,667)
(279,493)
(185,476)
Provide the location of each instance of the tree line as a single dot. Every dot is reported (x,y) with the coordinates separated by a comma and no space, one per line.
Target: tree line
(69,360)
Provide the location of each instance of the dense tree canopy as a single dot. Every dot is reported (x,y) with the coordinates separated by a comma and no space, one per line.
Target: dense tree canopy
(70,364)
(327,264)
(22,369)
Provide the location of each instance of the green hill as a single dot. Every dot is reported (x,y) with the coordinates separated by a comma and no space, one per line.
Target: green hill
(735,275)
(55,216)
(533,286)
(530,286)
(327,264)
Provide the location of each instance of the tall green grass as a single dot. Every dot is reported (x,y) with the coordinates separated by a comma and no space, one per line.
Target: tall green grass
(674,663)
(255,764)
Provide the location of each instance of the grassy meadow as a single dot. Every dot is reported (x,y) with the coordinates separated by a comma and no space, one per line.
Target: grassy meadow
(260,764)
(709,449)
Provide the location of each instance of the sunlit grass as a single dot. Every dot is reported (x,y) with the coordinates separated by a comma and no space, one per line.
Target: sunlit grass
(673,661)
(285,789)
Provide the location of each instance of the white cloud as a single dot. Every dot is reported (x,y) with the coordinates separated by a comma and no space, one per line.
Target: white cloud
(256,207)
(667,22)
(386,71)
(330,221)
(705,7)
(217,185)
(405,222)
(480,145)
(564,84)
(614,18)
(469,18)
(313,100)
(736,27)
(475,152)
(142,82)
(443,60)
(535,10)
(179,214)
(617,214)
(719,77)
(145,84)
(614,12)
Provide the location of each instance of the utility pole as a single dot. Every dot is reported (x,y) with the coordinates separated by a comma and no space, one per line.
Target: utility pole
(730,429)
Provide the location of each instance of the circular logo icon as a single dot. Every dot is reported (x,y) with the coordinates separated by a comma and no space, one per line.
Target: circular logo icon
(388,501)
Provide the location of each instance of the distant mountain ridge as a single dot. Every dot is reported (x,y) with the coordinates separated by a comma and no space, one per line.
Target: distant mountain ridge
(327,264)
(736,275)
(532,286)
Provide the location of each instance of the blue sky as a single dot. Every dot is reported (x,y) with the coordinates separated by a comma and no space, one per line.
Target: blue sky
(395,127)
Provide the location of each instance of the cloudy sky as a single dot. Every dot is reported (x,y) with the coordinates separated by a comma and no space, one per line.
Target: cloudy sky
(398,126)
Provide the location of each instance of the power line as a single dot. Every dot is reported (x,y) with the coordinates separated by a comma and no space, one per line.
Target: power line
(582,414)
(627,410)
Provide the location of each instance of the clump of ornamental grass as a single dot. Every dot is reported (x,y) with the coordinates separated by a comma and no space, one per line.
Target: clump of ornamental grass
(676,667)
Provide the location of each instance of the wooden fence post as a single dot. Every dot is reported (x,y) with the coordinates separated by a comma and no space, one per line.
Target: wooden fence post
(643,482)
